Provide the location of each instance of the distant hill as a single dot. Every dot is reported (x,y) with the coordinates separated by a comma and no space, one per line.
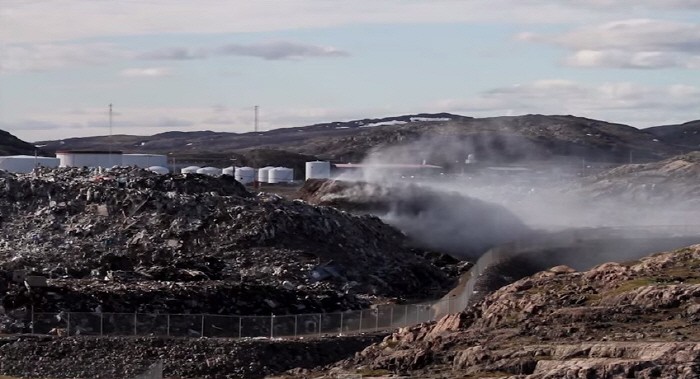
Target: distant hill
(684,135)
(11,145)
(440,138)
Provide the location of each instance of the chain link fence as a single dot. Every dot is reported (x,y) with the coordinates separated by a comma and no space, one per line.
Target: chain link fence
(383,317)
(378,318)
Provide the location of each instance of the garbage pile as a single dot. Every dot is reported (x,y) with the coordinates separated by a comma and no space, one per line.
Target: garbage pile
(128,240)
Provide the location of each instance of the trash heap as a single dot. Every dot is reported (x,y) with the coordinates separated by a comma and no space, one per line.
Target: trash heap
(128,240)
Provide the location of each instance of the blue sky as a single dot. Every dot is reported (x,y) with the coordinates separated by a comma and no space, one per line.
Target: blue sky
(203,65)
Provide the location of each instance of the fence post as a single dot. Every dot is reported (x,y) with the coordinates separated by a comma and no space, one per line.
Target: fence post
(405,318)
(376,319)
(359,328)
(417,313)
(167,325)
(296,322)
(341,324)
(135,332)
(240,326)
(32,318)
(320,324)
(68,326)
(272,326)
(201,331)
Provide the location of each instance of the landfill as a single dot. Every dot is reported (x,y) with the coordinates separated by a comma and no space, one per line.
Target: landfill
(129,240)
(203,358)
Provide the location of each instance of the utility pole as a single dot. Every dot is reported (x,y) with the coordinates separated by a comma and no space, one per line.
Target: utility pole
(256,118)
(110,134)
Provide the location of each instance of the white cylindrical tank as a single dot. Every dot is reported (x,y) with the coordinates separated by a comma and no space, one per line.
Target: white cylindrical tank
(318,170)
(264,174)
(244,175)
(211,171)
(159,170)
(26,163)
(228,171)
(92,158)
(190,170)
(281,175)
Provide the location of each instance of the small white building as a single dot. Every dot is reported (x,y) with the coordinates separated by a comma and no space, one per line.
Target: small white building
(144,160)
(92,158)
(26,163)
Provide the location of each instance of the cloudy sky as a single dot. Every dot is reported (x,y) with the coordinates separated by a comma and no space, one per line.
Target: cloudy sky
(203,65)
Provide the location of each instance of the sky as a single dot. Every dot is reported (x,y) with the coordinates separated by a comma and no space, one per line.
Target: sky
(203,65)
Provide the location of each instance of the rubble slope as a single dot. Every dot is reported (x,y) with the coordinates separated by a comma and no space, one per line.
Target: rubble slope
(130,240)
(636,320)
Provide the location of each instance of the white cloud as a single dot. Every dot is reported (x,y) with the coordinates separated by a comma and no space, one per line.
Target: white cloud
(276,50)
(281,50)
(632,4)
(174,53)
(41,21)
(146,72)
(17,58)
(623,59)
(635,43)
(42,57)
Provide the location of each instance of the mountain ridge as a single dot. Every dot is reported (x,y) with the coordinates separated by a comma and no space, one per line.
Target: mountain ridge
(500,138)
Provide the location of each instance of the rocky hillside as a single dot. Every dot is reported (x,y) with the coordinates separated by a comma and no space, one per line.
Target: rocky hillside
(129,240)
(635,320)
(11,145)
(686,135)
(439,138)
(672,181)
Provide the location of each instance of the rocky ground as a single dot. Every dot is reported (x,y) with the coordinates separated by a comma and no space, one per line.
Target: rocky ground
(636,320)
(88,357)
(128,240)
